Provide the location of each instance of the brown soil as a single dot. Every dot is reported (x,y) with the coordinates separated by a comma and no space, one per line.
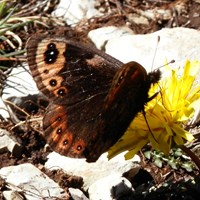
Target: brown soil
(183,13)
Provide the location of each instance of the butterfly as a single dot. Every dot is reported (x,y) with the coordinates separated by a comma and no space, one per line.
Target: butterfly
(93,96)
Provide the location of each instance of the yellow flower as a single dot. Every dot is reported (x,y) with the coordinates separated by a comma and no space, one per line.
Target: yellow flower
(166,114)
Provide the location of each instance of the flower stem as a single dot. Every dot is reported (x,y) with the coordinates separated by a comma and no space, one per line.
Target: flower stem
(194,158)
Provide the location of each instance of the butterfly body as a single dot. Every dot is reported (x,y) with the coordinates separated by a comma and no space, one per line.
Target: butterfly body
(93,97)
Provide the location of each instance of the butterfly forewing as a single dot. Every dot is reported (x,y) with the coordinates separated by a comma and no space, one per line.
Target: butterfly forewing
(126,97)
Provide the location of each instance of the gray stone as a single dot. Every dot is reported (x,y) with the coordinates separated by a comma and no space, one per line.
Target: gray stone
(92,172)
(12,195)
(177,44)
(9,144)
(19,83)
(74,11)
(77,194)
(30,181)
(101,36)
(111,187)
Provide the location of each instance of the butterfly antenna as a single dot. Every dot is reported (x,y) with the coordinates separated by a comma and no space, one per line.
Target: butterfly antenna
(154,55)
(170,62)
(144,114)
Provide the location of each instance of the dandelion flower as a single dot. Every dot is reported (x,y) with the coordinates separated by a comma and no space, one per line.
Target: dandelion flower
(167,114)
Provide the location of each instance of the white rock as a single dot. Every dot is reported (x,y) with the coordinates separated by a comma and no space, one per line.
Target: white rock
(12,195)
(74,11)
(34,184)
(9,144)
(138,19)
(91,172)
(77,194)
(111,187)
(100,36)
(19,83)
(177,44)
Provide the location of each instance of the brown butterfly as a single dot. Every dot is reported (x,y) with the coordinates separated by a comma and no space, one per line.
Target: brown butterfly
(93,97)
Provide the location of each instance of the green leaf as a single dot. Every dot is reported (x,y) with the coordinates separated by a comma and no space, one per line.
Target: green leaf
(147,154)
(158,162)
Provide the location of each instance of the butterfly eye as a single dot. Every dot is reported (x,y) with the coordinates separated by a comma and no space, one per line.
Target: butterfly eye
(65,142)
(46,71)
(59,131)
(51,46)
(51,54)
(79,148)
(53,82)
(62,92)
(59,119)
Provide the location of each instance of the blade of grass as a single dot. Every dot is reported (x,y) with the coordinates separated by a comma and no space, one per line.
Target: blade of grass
(16,53)
(8,16)
(14,27)
(2,9)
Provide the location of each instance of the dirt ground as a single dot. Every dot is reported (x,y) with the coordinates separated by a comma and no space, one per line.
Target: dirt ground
(185,13)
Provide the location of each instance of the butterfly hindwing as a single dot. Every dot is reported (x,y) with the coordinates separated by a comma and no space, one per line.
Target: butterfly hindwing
(76,79)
